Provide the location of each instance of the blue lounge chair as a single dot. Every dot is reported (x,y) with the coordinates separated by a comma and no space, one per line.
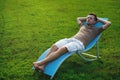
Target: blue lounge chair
(52,67)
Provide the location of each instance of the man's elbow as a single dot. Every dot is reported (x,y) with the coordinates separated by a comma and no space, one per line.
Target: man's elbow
(78,18)
(109,23)
(81,18)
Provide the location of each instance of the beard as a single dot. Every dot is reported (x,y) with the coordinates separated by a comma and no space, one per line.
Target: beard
(89,24)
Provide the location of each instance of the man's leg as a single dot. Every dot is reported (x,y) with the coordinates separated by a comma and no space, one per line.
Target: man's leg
(53,49)
(52,56)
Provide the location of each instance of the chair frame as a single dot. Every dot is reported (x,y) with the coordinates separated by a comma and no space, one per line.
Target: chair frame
(94,57)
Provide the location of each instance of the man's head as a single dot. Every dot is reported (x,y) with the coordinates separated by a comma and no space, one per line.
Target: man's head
(91,19)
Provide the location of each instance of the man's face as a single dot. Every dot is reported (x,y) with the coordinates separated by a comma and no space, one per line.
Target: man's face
(90,20)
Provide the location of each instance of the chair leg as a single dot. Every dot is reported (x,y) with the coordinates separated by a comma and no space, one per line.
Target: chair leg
(97,52)
(94,57)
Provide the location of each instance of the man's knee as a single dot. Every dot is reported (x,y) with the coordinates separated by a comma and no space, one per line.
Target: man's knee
(54,46)
(64,49)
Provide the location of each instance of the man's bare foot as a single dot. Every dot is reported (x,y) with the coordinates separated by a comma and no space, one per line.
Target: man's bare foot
(35,66)
(41,68)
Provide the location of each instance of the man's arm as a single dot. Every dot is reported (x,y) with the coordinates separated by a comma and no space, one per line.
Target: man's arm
(80,20)
(105,22)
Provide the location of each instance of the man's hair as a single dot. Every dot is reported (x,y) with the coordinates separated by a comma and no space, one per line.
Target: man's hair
(94,16)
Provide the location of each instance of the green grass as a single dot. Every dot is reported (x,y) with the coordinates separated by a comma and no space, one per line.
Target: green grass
(29,27)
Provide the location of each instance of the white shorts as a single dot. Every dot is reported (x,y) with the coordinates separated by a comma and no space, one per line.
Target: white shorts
(71,44)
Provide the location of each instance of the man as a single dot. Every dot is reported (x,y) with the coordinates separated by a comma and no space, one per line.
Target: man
(78,42)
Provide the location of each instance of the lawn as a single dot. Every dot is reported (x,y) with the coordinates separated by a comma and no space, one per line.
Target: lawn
(29,27)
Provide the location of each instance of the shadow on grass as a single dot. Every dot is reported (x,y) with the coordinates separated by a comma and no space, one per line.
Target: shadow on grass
(40,76)
(72,70)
